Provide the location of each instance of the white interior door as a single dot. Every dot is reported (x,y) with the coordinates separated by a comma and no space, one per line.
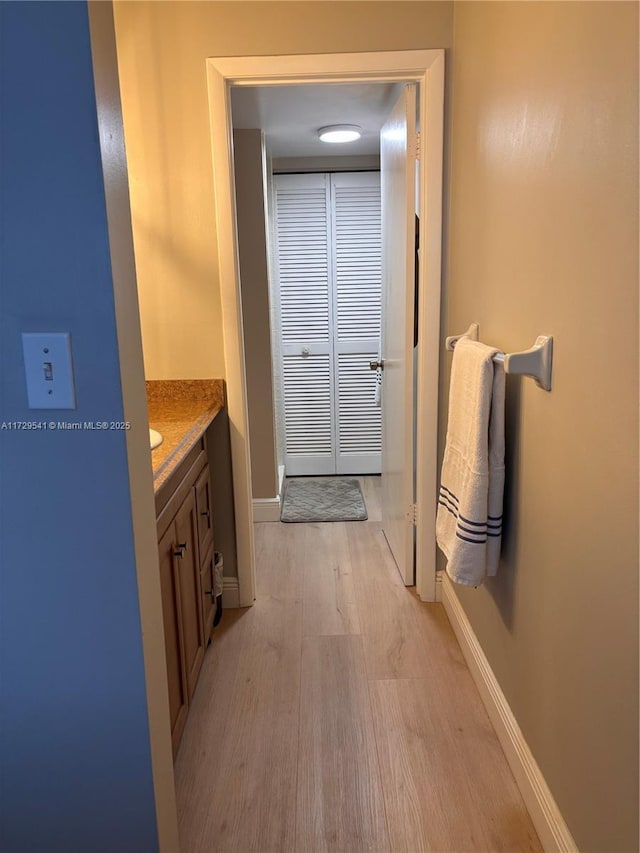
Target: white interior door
(328,237)
(397,166)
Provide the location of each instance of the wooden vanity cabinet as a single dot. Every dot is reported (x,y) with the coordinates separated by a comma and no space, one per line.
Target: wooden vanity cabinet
(185,543)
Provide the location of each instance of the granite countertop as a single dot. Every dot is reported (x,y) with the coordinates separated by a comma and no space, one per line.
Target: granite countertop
(181,410)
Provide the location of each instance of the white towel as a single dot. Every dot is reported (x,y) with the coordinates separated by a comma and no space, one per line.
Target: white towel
(469,520)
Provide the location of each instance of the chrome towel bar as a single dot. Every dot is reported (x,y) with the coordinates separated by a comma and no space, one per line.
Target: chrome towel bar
(535,362)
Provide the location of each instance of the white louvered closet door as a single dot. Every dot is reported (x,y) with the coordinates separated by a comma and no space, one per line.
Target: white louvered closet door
(329,293)
(305,310)
(357,268)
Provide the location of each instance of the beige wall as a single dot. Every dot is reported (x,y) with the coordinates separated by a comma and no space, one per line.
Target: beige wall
(543,239)
(276,341)
(250,169)
(162,47)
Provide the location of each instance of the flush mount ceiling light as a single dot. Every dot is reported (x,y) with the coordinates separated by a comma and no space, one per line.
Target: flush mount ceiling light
(340,133)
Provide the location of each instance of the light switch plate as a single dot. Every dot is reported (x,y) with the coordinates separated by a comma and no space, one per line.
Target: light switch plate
(49,370)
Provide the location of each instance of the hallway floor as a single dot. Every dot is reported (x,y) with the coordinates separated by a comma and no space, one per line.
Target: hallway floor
(338,714)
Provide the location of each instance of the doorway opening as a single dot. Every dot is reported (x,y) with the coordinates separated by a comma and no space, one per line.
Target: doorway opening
(321,268)
(424,68)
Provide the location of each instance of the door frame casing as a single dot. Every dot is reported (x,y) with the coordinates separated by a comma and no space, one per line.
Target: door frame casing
(426,68)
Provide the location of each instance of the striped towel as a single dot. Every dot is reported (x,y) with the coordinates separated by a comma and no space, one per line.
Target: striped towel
(469,520)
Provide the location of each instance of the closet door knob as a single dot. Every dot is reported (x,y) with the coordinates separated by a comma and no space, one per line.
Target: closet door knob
(375,365)
(306,352)
(181,547)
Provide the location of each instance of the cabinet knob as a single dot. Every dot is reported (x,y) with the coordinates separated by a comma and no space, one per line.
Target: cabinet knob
(205,513)
(209,592)
(181,547)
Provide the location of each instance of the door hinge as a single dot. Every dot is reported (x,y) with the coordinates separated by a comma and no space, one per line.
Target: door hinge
(412,514)
(417,145)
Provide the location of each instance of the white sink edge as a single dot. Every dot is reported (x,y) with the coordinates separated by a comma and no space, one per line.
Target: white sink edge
(155,438)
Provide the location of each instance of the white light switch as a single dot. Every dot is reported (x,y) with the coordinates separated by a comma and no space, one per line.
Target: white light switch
(49,370)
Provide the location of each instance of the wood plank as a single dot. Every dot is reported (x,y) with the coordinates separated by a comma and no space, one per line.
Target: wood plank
(279,559)
(329,603)
(447,785)
(372,493)
(254,782)
(438,638)
(339,803)
(204,734)
(393,644)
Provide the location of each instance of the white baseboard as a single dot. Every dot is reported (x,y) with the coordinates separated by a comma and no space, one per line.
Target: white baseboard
(550,825)
(230,594)
(439,586)
(268,509)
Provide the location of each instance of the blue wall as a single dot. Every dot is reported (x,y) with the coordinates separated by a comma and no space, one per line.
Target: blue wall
(76,766)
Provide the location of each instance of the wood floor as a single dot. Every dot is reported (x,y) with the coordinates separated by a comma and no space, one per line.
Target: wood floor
(338,714)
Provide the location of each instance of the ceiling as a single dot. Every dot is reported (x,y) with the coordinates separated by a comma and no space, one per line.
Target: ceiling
(291,115)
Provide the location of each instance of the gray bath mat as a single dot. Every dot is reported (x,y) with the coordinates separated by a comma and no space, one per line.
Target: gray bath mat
(323,500)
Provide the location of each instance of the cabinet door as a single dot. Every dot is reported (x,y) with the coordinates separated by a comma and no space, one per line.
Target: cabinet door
(171,617)
(190,598)
(208,599)
(203,506)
